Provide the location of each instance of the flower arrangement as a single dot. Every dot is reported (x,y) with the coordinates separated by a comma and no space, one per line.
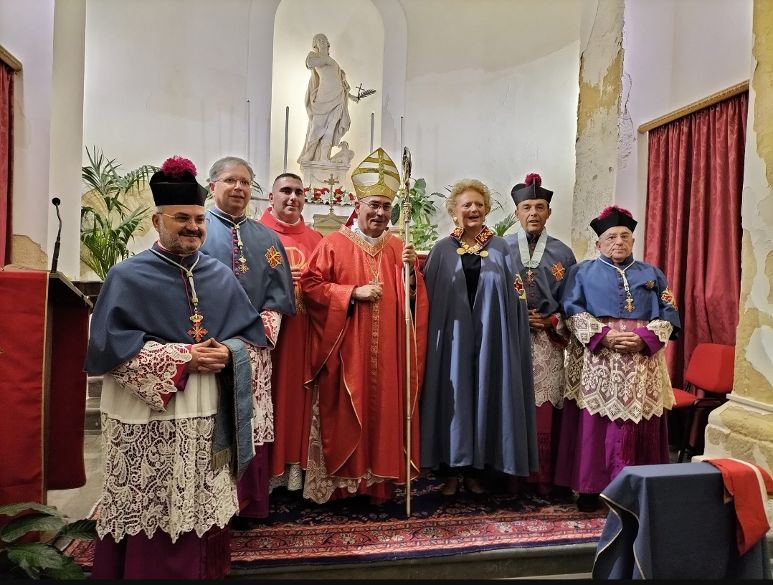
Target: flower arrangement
(323,195)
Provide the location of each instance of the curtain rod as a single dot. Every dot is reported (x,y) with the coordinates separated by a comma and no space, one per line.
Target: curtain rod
(9,59)
(695,106)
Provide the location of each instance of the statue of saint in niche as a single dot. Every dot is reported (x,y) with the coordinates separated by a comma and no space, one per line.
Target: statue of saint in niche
(327,102)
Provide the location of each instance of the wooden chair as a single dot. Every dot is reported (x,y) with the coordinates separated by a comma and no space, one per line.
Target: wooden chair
(709,370)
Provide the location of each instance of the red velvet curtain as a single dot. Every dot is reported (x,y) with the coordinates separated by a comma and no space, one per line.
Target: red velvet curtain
(6,160)
(694,183)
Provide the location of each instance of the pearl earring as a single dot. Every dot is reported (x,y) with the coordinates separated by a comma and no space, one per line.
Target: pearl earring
(456,220)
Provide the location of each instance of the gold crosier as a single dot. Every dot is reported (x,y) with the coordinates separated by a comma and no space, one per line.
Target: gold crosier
(405,220)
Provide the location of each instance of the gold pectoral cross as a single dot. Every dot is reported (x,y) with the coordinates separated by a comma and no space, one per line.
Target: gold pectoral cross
(197,332)
(529,276)
(629,304)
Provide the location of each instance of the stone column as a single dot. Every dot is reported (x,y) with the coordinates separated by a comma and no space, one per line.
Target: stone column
(743,427)
(598,122)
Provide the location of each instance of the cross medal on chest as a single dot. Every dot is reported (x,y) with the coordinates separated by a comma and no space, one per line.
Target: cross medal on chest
(531,261)
(243,268)
(197,331)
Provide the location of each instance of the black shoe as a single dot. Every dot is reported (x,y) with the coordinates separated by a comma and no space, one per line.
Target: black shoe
(241,523)
(588,503)
(561,495)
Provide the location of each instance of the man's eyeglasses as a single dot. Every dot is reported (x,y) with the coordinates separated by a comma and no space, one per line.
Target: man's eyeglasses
(233,181)
(183,219)
(387,207)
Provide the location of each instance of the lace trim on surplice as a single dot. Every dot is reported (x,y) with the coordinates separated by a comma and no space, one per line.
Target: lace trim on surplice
(548,368)
(158,476)
(150,372)
(619,386)
(262,403)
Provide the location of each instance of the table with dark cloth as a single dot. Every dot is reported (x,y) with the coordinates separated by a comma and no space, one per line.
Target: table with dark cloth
(671,522)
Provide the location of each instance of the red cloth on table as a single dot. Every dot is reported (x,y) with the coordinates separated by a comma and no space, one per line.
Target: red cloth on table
(743,484)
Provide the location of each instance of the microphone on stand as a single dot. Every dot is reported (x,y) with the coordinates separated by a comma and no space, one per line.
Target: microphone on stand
(56,201)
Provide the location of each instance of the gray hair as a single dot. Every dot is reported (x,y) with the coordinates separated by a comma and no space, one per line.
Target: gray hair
(228,161)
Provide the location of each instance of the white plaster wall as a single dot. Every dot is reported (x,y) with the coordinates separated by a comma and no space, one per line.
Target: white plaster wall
(676,52)
(446,65)
(168,77)
(27,32)
(356,36)
(492,94)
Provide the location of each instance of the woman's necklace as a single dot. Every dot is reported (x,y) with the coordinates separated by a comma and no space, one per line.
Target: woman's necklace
(628,297)
(197,332)
(476,248)
(241,260)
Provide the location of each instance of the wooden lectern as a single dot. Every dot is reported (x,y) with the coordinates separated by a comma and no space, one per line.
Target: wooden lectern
(45,322)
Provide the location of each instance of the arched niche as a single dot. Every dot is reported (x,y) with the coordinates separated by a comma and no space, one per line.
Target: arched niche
(356,34)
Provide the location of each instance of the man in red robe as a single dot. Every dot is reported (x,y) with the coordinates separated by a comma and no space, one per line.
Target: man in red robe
(292,400)
(355,296)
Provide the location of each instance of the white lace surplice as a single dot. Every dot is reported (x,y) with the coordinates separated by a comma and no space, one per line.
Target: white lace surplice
(619,386)
(157,462)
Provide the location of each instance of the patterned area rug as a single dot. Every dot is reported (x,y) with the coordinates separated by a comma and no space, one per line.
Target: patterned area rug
(298,531)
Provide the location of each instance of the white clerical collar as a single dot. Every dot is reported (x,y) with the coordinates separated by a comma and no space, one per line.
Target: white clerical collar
(533,260)
(370,239)
(280,222)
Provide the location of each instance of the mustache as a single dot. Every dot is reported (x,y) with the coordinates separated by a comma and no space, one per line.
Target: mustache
(192,234)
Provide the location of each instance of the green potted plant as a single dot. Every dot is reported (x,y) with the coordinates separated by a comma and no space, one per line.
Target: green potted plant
(28,542)
(503,225)
(108,222)
(424,231)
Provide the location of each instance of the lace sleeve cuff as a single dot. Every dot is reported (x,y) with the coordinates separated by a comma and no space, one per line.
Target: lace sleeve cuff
(272,320)
(584,326)
(151,375)
(661,328)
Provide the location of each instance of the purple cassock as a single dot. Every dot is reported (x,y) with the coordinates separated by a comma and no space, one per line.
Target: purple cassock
(613,412)
(542,262)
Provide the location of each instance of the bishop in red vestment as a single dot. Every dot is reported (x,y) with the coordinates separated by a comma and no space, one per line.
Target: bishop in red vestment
(354,293)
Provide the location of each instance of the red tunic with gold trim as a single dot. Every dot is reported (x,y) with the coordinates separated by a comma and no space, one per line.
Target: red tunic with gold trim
(292,401)
(358,367)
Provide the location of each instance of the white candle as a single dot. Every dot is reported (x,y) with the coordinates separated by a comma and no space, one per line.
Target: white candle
(287,124)
(372,126)
(248,129)
(402,142)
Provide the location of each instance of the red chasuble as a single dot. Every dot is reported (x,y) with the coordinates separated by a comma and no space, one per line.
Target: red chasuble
(358,359)
(292,401)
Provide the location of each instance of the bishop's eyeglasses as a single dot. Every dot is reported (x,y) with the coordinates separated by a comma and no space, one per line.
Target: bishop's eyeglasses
(387,207)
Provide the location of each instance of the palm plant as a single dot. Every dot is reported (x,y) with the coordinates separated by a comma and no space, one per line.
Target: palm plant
(424,231)
(109,225)
(20,554)
(503,225)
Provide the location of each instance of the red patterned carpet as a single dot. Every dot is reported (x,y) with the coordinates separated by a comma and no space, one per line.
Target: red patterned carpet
(351,530)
